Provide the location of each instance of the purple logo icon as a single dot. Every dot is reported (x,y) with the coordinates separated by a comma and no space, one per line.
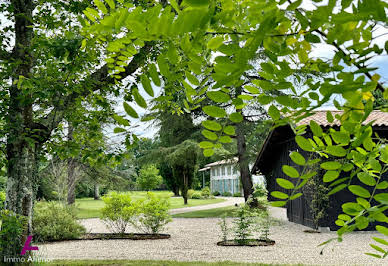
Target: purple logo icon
(27,246)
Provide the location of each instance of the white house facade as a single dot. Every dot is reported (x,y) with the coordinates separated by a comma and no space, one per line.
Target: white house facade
(225,177)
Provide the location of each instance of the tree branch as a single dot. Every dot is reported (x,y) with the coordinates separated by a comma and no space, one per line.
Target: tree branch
(96,81)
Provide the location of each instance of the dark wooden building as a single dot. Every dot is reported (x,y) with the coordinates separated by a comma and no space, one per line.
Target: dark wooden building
(275,153)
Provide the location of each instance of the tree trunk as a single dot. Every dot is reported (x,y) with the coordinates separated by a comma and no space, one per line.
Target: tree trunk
(22,143)
(71,176)
(245,173)
(96,191)
(175,189)
(185,188)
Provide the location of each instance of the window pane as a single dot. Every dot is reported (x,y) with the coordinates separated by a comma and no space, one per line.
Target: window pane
(229,170)
(223,170)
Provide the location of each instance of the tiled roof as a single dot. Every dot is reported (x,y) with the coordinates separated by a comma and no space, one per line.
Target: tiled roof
(379,118)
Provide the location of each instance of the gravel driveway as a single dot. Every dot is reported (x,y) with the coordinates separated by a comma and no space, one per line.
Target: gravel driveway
(195,240)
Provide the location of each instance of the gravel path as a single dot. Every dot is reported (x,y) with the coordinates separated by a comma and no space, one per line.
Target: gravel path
(229,201)
(195,240)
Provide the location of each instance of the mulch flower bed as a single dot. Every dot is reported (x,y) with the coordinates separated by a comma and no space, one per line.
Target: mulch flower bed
(248,243)
(131,236)
(109,236)
(311,231)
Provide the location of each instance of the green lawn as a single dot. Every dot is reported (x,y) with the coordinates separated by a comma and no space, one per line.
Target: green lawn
(218,212)
(153,263)
(90,208)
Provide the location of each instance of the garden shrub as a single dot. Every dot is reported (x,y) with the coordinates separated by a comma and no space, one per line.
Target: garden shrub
(196,195)
(237,194)
(224,228)
(12,228)
(260,191)
(216,193)
(2,199)
(205,192)
(53,221)
(153,214)
(243,224)
(119,211)
(190,193)
(226,194)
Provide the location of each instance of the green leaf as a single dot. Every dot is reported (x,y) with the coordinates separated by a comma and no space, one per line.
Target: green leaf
(279,195)
(230,130)
(366,178)
(330,176)
(154,75)
(111,3)
(294,5)
(351,208)
(312,38)
(197,3)
(100,6)
(316,129)
(215,43)
(117,130)
(359,191)
(121,120)
(295,196)
(191,78)
(336,189)
(329,117)
(380,240)
(340,137)
(212,125)
(225,139)
(130,111)
(362,222)
(138,98)
(303,143)
(284,183)
(274,112)
(290,171)
(252,89)
(278,203)
(373,255)
(218,96)
(382,198)
(209,135)
(236,117)
(208,152)
(214,111)
(331,165)
(377,248)
(206,144)
(382,185)
(382,229)
(344,217)
(297,158)
(336,151)
(147,85)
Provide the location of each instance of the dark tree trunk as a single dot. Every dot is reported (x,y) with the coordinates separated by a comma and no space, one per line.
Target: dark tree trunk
(245,174)
(175,189)
(71,176)
(185,188)
(22,140)
(96,191)
(243,160)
